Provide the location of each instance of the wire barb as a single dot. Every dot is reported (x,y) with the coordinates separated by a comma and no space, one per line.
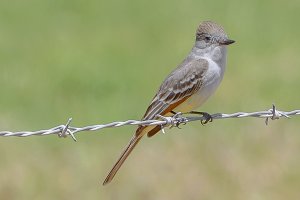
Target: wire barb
(66,131)
(172,121)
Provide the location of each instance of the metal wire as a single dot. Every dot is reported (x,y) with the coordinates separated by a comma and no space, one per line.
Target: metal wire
(173,121)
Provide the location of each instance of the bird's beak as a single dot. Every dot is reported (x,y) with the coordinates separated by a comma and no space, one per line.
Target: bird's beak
(226,41)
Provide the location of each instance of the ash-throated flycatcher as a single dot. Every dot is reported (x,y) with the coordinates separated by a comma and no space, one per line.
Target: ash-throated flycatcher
(188,86)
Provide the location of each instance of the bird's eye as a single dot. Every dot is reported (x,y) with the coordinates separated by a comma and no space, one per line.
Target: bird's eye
(207,38)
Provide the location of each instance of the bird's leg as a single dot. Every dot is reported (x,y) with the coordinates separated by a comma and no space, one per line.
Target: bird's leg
(175,114)
(207,116)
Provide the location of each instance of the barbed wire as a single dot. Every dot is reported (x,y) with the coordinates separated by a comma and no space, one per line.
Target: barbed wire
(172,121)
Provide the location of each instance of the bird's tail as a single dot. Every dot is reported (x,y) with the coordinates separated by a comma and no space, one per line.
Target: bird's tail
(130,146)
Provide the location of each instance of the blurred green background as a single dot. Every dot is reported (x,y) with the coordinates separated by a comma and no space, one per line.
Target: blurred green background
(102,61)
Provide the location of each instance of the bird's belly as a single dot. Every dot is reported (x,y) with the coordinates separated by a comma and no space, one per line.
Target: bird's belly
(211,81)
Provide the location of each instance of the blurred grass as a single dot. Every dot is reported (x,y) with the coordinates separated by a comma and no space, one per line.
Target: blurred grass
(100,61)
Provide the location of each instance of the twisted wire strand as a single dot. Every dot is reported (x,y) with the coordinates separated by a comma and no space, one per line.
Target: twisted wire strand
(175,120)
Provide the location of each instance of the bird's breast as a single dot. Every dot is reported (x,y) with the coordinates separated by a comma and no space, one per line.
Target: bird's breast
(210,82)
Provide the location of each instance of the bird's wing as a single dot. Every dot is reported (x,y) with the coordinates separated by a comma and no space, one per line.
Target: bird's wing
(177,87)
(183,82)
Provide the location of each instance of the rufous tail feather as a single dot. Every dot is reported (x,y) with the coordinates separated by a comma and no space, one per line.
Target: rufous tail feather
(130,146)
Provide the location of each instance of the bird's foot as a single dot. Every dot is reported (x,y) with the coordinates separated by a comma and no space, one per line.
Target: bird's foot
(207,116)
(178,122)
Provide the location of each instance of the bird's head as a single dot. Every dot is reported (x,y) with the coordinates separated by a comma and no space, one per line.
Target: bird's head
(209,33)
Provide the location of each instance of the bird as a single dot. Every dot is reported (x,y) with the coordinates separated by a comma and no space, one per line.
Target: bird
(188,86)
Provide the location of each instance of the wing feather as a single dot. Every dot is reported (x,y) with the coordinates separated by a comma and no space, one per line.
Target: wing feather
(183,82)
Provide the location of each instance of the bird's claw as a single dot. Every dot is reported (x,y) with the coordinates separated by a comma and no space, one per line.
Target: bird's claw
(207,117)
(177,122)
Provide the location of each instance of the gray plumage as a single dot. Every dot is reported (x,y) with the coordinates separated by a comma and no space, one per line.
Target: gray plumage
(188,86)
